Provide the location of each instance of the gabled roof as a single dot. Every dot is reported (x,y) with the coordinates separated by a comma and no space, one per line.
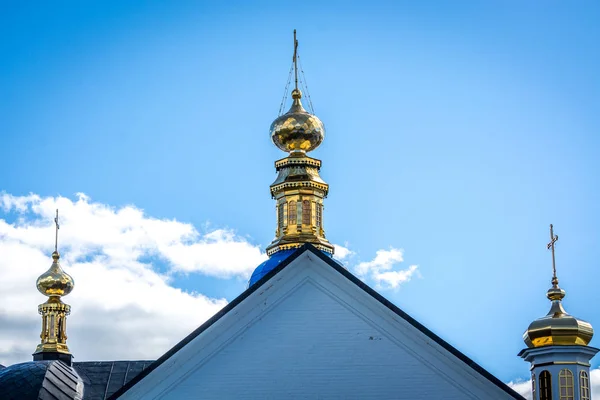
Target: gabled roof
(339,268)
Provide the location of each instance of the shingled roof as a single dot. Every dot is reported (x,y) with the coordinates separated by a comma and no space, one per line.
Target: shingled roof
(103,378)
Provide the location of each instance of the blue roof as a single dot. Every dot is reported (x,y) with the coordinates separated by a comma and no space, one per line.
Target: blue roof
(269,265)
(23,381)
(272,263)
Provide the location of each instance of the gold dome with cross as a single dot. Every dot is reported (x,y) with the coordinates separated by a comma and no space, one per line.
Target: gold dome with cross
(557,327)
(54,283)
(297,130)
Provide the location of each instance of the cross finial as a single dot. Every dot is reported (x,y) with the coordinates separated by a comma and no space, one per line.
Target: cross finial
(295,60)
(553,239)
(56,232)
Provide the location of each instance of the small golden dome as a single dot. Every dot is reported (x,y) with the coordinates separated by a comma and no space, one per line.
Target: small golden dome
(55,281)
(297,130)
(558,327)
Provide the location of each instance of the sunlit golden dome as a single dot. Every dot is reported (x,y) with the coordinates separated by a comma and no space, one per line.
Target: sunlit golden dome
(558,327)
(55,281)
(297,130)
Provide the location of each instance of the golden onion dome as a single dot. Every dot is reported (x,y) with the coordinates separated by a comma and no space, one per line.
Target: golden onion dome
(55,281)
(297,130)
(558,327)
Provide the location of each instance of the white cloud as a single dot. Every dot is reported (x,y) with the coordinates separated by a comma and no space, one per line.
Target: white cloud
(524,387)
(381,269)
(595,382)
(123,308)
(123,262)
(342,252)
(126,234)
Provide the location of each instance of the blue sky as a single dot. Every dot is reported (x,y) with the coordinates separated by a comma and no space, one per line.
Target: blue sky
(455,131)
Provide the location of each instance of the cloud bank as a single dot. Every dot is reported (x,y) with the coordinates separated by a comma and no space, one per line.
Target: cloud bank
(126,234)
(124,305)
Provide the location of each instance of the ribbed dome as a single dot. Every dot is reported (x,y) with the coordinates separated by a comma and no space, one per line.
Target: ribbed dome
(558,327)
(55,281)
(41,380)
(297,130)
(269,265)
(274,261)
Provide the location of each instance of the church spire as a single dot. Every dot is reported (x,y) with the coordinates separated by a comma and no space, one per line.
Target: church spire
(558,347)
(54,283)
(298,190)
(557,327)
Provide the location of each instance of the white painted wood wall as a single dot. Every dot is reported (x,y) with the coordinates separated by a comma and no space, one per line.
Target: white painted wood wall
(310,333)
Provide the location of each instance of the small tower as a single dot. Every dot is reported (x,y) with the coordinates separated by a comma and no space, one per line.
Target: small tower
(298,190)
(54,283)
(557,348)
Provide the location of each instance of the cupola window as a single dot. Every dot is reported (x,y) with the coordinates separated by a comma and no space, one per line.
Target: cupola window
(280,215)
(545,386)
(292,213)
(584,385)
(565,385)
(306,217)
(319,215)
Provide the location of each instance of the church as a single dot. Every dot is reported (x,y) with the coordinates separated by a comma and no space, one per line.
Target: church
(305,327)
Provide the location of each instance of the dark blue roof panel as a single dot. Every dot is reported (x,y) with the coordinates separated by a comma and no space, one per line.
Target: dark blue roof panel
(103,378)
(23,381)
(269,265)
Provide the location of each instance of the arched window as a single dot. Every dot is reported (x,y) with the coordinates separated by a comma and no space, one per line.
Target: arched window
(306,217)
(545,386)
(565,385)
(533,385)
(319,215)
(292,213)
(584,385)
(60,330)
(280,215)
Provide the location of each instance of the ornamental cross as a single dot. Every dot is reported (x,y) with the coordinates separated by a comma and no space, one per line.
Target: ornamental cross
(295,60)
(553,239)
(56,233)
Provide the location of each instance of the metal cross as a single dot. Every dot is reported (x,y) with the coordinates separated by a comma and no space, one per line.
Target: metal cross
(553,239)
(295,58)
(56,234)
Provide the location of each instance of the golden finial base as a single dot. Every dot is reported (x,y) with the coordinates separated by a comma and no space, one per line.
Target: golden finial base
(54,325)
(288,244)
(299,192)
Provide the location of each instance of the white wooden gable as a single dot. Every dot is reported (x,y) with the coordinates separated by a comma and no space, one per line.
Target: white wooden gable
(312,331)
